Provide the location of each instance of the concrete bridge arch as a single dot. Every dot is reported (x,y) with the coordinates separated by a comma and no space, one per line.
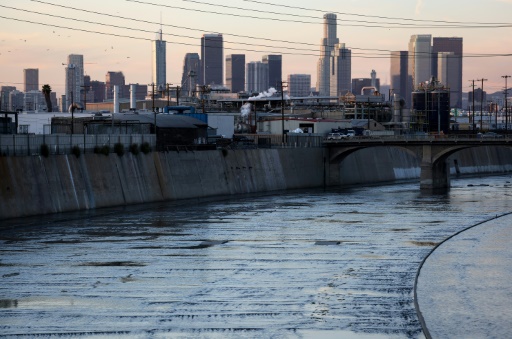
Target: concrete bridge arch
(432,156)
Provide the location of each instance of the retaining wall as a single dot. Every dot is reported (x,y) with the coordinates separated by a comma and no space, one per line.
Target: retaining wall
(33,185)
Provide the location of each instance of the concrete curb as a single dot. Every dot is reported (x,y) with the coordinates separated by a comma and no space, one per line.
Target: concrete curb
(424,327)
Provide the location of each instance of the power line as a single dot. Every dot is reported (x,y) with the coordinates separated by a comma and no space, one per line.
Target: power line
(366,15)
(361,55)
(227,34)
(487,25)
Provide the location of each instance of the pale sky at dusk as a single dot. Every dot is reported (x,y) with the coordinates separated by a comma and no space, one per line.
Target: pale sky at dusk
(371,28)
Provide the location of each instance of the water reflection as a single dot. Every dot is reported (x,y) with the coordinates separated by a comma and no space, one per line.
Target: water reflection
(289,265)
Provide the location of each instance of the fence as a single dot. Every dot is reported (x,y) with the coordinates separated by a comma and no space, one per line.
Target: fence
(30,144)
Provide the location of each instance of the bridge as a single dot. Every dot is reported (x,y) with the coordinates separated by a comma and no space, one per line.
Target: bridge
(431,153)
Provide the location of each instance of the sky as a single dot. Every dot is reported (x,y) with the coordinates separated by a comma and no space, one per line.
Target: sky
(115,35)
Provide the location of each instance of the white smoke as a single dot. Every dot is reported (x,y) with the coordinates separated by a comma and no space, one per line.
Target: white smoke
(265,94)
(245,110)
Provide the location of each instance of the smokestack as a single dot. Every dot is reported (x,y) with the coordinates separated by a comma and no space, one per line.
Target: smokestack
(116,99)
(133,101)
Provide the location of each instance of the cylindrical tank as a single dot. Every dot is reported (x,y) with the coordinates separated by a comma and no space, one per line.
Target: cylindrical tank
(133,100)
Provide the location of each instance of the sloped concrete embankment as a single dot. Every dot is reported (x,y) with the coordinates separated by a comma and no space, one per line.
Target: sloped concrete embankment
(386,164)
(37,185)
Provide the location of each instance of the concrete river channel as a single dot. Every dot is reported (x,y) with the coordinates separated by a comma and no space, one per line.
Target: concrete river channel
(296,264)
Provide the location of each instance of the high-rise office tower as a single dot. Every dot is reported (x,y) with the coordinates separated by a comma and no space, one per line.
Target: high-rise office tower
(115,79)
(159,64)
(74,79)
(327,44)
(299,85)
(400,81)
(275,70)
(235,72)
(453,80)
(212,59)
(341,70)
(191,71)
(257,77)
(420,64)
(4,97)
(98,88)
(31,79)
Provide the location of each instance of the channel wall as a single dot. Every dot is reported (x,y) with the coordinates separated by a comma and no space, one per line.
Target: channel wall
(33,185)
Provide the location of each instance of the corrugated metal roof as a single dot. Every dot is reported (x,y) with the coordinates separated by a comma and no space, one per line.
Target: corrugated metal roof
(163,120)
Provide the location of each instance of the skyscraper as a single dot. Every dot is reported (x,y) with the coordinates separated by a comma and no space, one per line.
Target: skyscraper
(420,65)
(212,59)
(453,80)
(327,44)
(74,79)
(275,70)
(400,81)
(341,72)
(159,64)
(191,71)
(31,79)
(115,79)
(257,77)
(235,72)
(299,85)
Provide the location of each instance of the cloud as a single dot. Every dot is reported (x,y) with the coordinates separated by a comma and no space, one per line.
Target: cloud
(419,5)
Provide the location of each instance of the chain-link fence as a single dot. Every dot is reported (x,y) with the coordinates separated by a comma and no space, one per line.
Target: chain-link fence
(30,144)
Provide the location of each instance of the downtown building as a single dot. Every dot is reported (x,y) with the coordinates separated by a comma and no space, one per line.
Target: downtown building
(191,71)
(275,70)
(327,44)
(31,79)
(299,85)
(447,55)
(74,80)
(366,86)
(257,77)
(159,63)
(341,71)
(401,82)
(235,72)
(116,79)
(420,62)
(212,60)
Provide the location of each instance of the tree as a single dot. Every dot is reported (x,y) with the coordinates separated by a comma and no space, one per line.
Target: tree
(46,91)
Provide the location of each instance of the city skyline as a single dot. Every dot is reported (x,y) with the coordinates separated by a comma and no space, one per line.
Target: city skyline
(44,43)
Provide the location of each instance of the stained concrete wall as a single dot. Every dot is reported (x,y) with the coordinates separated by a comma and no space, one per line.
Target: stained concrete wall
(374,165)
(33,185)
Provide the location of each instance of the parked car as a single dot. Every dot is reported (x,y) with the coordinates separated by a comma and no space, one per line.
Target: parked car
(490,135)
(351,133)
(334,136)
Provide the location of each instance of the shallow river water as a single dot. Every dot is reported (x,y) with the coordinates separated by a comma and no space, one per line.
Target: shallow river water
(302,264)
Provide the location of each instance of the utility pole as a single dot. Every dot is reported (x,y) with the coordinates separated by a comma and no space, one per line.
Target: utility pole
(86,88)
(178,95)
(283,86)
(168,94)
(481,104)
(506,113)
(473,118)
(153,103)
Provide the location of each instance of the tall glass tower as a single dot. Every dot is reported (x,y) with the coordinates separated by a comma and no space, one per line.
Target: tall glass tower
(159,65)
(212,59)
(327,44)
